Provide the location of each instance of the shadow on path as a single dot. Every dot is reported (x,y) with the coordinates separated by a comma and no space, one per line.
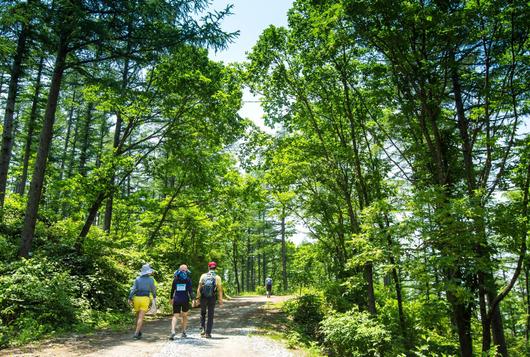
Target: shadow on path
(236,318)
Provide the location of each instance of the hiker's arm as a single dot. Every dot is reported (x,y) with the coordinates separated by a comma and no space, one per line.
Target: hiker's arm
(173,286)
(190,290)
(132,292)
(153,288)
(199,288)
(220,294)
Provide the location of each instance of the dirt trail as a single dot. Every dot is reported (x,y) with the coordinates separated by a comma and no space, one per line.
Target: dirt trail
(233,330)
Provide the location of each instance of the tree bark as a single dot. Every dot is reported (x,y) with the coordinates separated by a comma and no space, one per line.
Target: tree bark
(92,212)
(284,252)
(71,160)
(67,138)
(37,181)
(234,263)
(527,287)
(108,208)
(462,318)
(248,264)
(85,143)
(21,187)
(6,148)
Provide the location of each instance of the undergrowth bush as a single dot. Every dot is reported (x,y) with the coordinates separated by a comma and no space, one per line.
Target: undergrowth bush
(36,297)
(306,311)
(354,333)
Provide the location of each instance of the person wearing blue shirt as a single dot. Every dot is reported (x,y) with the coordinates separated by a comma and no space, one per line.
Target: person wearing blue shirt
(181,294)
(139,296)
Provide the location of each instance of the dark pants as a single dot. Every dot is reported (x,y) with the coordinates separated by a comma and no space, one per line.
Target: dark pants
(210,304)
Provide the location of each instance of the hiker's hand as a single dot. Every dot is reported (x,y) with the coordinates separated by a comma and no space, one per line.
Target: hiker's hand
(130,302)
(220,303)
(171,302)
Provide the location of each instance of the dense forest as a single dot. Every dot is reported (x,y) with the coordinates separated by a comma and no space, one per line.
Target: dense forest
(401,144)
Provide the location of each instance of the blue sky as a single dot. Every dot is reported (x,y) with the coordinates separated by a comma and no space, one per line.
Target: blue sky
(250,17)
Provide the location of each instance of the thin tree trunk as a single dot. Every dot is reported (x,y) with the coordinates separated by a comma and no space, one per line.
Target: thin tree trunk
(234,262)
(92,212)
(85,143)
(284,252)
(37,181)
(71,160)
(102,133)
(168,207)
(6,148)
(243,267)
(67,138)
(527,287)
(2,83)
(248,263)
(21,187)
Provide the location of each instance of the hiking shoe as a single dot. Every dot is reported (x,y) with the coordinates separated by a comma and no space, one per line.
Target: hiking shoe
(203,332)
(137,336)
(140,333)
(172,336)
(208,335)
(183,334)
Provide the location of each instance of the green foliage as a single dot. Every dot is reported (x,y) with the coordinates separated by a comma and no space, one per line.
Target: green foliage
(36,297)
(306,311)
(355,333)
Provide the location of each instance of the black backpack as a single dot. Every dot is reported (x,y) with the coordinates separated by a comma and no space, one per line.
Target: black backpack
(208,287)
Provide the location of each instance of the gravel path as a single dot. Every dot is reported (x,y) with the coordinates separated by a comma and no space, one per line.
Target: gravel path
(233,335)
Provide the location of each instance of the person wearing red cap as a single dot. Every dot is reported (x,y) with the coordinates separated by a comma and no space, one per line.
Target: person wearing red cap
(210,285)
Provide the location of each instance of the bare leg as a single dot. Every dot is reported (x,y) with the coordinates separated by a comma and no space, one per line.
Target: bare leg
(140,321)
(184,322)
(173,323)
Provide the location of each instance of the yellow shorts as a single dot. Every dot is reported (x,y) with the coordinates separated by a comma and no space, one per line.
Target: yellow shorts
(141,303)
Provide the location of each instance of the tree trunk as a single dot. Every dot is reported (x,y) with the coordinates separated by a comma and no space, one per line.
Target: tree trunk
(462,319)
(284,253)
(243,267)
(264,269)
(248,264)
(6,149)
(234,262)
(37,181)
(527,287)
(67,138)
(102,133)
(85,143)
(2,83)
(21,187)
(71,160)
(369,279)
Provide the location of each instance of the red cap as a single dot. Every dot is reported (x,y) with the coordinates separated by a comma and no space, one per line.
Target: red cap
(212,265)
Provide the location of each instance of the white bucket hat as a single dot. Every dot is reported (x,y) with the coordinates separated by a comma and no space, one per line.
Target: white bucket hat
(146,270)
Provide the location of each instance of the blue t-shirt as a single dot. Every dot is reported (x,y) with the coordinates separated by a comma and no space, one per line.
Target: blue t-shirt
(143,286)
(181,290)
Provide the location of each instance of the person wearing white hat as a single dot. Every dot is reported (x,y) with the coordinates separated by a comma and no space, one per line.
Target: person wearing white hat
(143,286)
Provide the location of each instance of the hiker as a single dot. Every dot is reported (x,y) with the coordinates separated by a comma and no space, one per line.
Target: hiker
(143,287)
(209,285)
(268,286)
(181,294)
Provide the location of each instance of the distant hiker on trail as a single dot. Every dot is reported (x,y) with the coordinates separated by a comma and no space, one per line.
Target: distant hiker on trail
(143,286)
(268,286)
(181,294)
(209,284)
